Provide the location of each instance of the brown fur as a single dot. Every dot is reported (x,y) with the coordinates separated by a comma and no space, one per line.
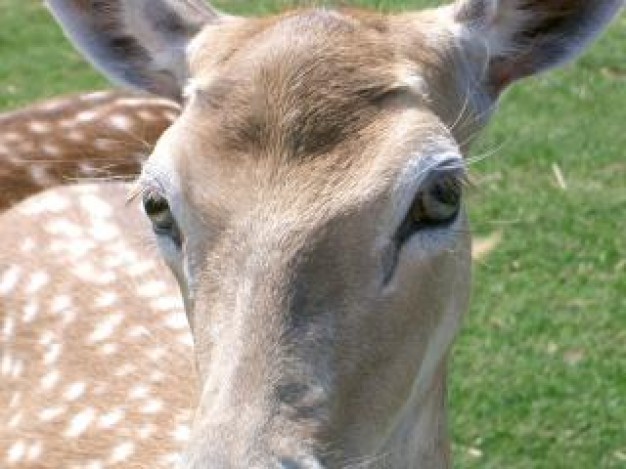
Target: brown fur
(48,144)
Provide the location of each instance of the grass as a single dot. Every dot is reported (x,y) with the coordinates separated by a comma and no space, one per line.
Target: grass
(539,371)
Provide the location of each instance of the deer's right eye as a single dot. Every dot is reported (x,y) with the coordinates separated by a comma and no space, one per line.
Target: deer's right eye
(158,210)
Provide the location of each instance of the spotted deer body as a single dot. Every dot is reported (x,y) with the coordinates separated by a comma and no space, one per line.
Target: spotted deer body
(309,203)
(96,361)
(99,135)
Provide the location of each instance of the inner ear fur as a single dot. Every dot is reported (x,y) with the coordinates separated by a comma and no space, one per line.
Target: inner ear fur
(137,43)
(525,37)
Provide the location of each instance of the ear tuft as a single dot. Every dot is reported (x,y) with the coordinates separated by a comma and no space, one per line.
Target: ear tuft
(139,43)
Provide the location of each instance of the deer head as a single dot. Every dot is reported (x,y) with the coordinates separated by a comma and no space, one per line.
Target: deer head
(309,202)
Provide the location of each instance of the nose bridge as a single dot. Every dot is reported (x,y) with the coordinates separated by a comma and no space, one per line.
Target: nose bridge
(267,371)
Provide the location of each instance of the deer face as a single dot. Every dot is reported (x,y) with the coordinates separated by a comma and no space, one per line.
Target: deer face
(309,201)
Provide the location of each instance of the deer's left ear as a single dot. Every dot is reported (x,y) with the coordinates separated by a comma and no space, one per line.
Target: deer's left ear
(140,43)
(524,37)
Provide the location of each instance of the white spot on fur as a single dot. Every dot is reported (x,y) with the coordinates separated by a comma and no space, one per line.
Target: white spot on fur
(28,245)
(125,370)
(12,137)
(31,310)
(97,96)
(9,279)
(87,169)
(52,355)
(61,303)
(153,406)
(148,116)
(111,419)
(186,339)
(133,102)
(87,116)
(156,354)
(171,460)
(7,364)
(48,202)
(16,398)
(64,227)
(39,127)
(157,377)
(74,391)
(141,268)
(88,273)
(75,248)
(52,150)
(139,392)
(105,328)
(138,331)
(177,321)
(50,380)
(9,327)
(80,423)
(182,433)
(51,413)
(16,452)
(35,451)
(109,349)
(122,452)
(17,369)
(147,431)
(37,281)
(54,105)
(105,144)
(170,116)
(121,122)
(96,206)
(16,420)
(67,124)
(106,299)
(154,288)
(95,465)
(104,231)
(46,338)
(167,303)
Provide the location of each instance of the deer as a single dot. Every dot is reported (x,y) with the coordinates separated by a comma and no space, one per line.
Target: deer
(83,288)
(85,136)
(309,203)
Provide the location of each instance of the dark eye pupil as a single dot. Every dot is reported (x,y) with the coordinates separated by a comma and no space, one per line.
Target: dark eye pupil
(163,223)
(155,205)
(447,192)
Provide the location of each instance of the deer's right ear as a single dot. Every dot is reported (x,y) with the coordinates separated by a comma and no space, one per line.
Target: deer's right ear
(140,43)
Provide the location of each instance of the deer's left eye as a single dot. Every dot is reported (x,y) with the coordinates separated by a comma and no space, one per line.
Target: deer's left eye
(158,210)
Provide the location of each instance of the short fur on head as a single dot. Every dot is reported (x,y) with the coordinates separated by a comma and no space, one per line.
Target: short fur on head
(308,201)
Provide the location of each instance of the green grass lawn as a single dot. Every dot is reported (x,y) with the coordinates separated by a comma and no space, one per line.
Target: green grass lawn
(539,371)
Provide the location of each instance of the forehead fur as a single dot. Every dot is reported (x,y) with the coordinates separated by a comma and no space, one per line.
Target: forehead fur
(296,85)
